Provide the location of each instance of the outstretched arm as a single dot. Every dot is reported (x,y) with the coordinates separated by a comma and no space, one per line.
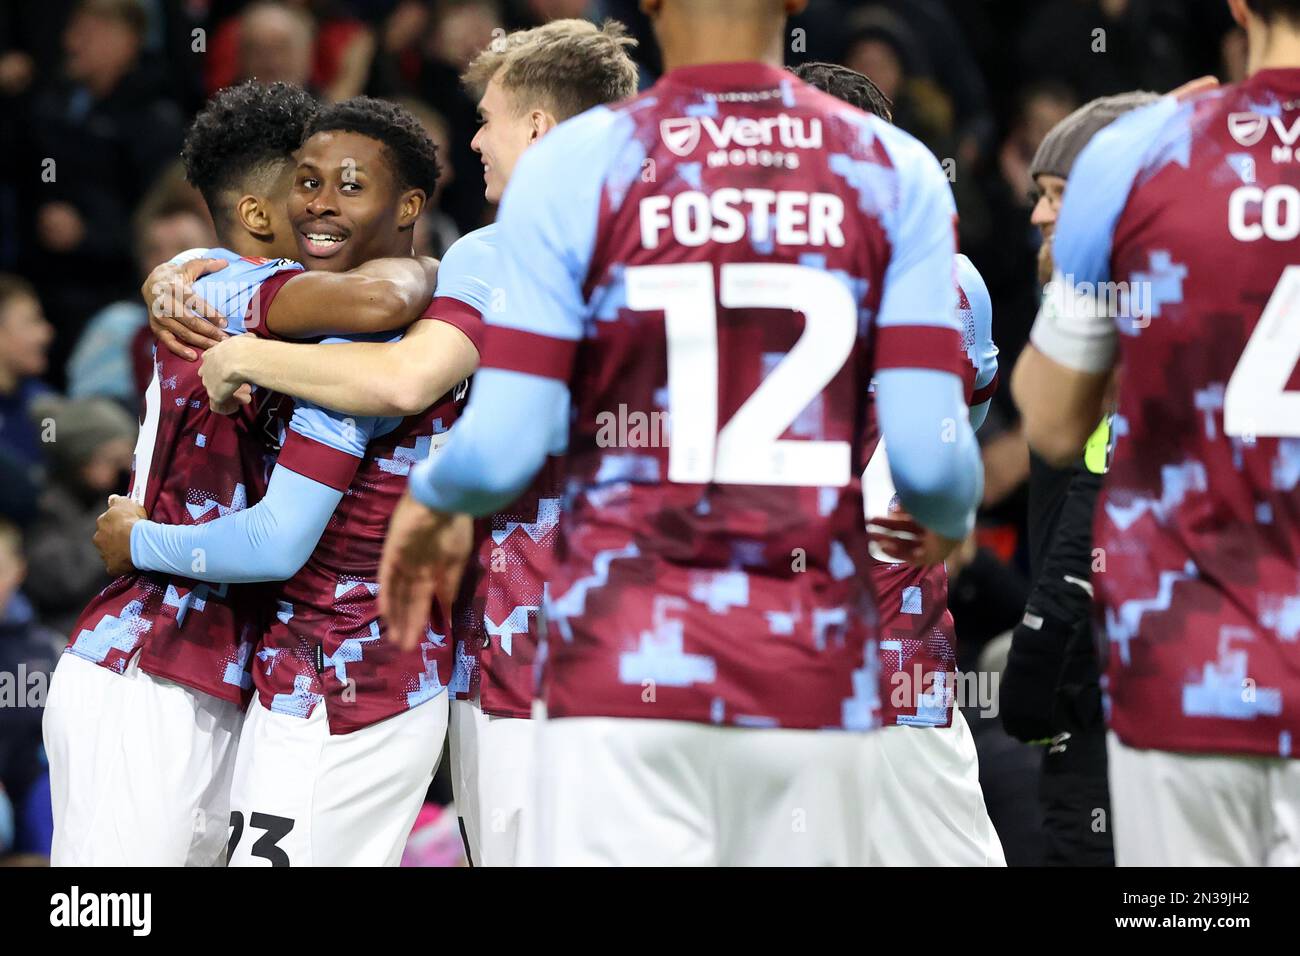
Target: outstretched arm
(267,542)
(380,296)
(360,378)
(492,466)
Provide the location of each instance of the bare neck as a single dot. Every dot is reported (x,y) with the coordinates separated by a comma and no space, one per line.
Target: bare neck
(710,40)
(1272,48)
(248,245)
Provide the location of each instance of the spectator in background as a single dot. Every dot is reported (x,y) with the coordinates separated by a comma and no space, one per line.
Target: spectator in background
(1100,47)
(276,44)
(25,338)
(883,46)
(28,652)
(315,44)
(90,459)
(98,138)
(435,231)
(955,70)
(1004,246)
(458,31)
(105,360)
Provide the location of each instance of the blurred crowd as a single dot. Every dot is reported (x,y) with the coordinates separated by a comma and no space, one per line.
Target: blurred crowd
(95,96)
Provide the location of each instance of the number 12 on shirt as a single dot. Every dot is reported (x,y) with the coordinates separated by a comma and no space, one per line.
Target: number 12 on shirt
(748,450)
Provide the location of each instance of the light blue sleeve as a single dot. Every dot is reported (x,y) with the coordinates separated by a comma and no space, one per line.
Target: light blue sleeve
(921,226)
(1103,177)
(482,476)
(546,232)
(980,348)
(273,539)
(267,542)
(922,413)
(546,229)
(933,456)
(465,267)
(231,289)
(346,433)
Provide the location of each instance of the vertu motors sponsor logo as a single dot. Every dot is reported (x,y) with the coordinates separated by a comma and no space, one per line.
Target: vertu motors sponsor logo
(683,134)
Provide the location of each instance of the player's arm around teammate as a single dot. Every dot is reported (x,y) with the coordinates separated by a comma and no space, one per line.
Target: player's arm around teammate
(399,378)
(378,296)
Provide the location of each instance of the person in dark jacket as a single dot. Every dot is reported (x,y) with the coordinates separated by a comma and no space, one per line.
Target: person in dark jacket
(99,137)
(1051,687)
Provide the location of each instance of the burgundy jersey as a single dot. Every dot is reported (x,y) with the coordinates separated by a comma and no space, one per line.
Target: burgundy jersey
(1188,212)
(326,642)
(918,640)
(192,465)
(735,253)
(501,629)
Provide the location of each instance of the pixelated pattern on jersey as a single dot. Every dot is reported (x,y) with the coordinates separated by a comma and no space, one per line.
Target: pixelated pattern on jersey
(327,643)
(201,466)
(743,604)
(1201,530)
(500,619)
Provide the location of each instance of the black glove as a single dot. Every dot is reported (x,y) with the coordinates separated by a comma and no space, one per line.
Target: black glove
(1027,694)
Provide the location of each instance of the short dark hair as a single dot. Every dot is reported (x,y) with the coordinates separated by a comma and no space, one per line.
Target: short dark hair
(413,154)
(847,85)
(1272,10)
(244,135)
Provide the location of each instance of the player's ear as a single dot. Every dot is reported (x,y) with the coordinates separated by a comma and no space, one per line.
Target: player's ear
(410,207)
(542,123)
(253,215)
(1238,10)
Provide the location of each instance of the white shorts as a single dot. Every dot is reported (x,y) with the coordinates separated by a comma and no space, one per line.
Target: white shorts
(492,783)
(631,791)
(1180,809)
(140,768)
(305,797)
(929,808)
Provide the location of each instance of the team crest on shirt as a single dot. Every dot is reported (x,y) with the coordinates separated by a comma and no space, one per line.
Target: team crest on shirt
(1247,128)
(681,134)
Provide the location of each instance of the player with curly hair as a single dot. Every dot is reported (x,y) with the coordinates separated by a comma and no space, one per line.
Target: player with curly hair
(147,704)
(339,747)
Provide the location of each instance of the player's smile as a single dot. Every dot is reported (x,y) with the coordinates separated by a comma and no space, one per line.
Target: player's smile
(322,239)
(344,202)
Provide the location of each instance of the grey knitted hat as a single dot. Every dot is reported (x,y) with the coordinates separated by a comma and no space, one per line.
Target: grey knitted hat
(1062,146)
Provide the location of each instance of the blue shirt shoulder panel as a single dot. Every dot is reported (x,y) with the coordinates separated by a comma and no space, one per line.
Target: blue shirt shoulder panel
(548,220)
(921,228)
(347,433)
(468,269)
(1100,184)
(231,289)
